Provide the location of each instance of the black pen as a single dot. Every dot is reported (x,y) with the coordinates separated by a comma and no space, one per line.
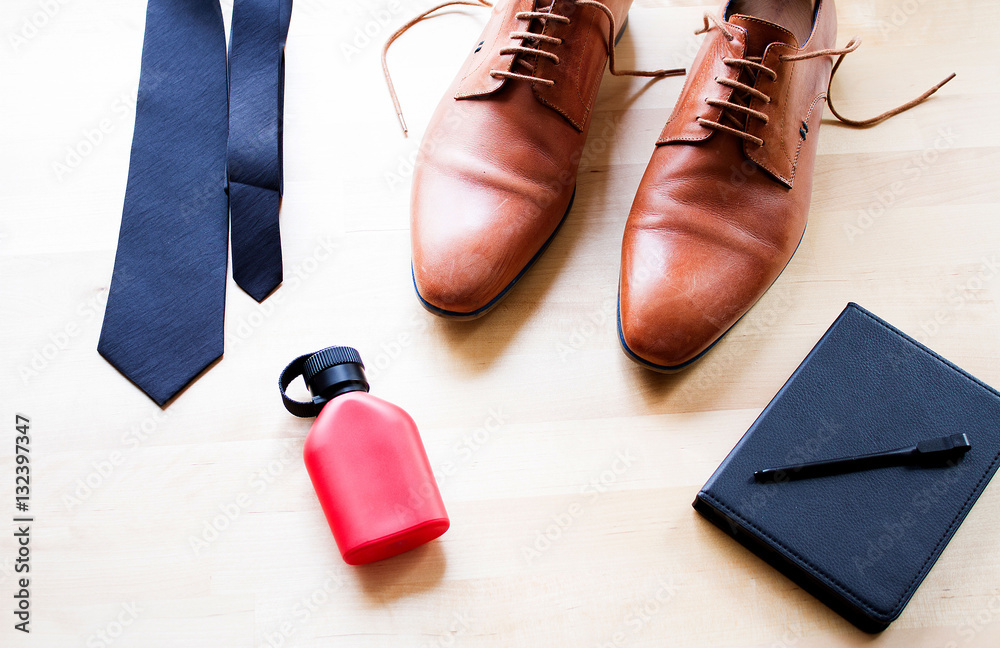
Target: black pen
(930,452)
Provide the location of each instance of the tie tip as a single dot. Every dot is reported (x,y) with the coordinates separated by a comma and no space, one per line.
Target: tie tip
(257,290)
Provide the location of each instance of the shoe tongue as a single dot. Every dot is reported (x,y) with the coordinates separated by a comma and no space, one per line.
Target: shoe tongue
(544,6)
(541,6)
(761,33)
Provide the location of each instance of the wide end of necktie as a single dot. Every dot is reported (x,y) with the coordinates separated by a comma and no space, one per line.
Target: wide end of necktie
(164,320)
(160,371)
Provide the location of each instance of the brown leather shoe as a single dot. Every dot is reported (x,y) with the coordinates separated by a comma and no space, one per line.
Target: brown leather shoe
(723,203)
(496,171)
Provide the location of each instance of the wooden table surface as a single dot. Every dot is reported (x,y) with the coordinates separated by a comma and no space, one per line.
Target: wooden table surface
(568,471)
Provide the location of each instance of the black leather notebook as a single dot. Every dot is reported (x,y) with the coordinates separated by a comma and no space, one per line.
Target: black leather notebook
(861,541)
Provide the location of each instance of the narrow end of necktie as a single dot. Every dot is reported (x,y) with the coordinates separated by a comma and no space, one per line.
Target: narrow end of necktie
(256,239)
(257,287)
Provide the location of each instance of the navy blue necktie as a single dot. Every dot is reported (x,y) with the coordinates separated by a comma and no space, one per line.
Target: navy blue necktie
(164,319)
(256,92)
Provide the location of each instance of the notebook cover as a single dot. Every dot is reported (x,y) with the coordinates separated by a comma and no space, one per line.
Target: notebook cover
(860,542)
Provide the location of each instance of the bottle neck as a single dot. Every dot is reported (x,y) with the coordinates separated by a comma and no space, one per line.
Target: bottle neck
(337,380)
(323,381)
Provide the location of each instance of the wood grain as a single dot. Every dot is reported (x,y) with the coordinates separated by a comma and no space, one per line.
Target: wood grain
(568,471)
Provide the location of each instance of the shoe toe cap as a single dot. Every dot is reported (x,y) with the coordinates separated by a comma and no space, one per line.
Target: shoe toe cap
(455,278)
(470,243)
(678,296)
(665,333)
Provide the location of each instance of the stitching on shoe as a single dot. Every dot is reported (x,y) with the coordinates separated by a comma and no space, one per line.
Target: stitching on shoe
(704,70)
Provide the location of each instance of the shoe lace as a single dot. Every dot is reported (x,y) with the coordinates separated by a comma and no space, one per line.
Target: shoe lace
(527,46)
(737,111)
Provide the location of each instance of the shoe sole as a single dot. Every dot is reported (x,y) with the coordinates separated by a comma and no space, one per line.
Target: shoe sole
(479,312)
(672,369)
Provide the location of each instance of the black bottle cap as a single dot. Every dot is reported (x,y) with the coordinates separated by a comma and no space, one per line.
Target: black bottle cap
(334,371)
(327,373)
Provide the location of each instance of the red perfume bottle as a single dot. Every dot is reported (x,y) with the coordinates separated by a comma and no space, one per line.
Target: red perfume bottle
(365,460)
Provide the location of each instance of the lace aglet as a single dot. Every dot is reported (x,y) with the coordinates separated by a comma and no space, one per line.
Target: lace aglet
(402,123)
(946,80)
